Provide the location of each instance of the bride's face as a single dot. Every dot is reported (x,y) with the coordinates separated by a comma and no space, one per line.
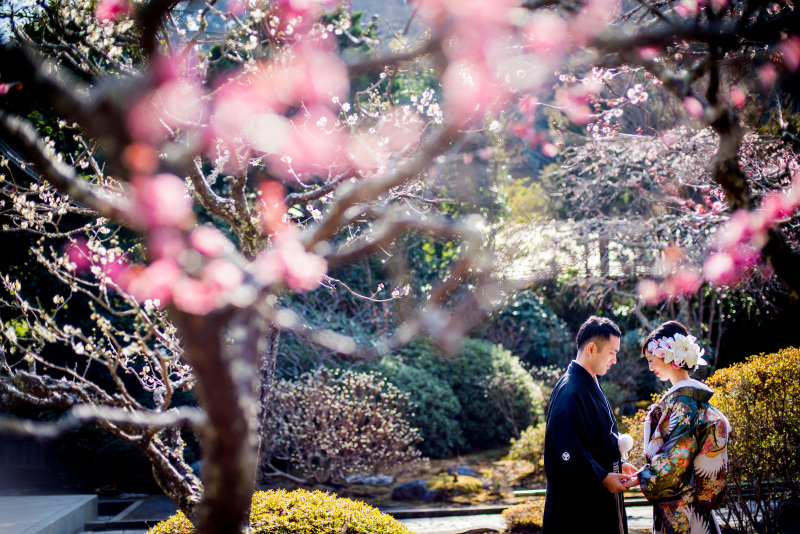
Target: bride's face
(663,371)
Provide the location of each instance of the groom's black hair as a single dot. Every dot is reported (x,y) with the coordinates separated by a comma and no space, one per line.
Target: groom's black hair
(596,329)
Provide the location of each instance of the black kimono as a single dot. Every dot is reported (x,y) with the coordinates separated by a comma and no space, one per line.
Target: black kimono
(580,449)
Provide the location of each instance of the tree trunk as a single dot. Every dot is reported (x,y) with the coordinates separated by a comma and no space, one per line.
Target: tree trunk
(266,380)
(226,385)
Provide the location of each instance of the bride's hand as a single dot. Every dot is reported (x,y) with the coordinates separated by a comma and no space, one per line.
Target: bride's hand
(628,469)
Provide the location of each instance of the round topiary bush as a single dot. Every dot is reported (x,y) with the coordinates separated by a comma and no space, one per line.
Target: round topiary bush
(436,408)
(497,395)
(282,512)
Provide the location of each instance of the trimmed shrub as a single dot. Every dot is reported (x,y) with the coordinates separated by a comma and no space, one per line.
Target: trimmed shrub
(331,424)
(530,448)
(761,399)
(436,409)
(498,396)
(525,518)
(282,512)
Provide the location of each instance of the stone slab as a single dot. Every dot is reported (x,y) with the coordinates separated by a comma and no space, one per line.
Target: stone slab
(46,514)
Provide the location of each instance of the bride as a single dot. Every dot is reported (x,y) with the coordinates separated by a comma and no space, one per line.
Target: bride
(685,439)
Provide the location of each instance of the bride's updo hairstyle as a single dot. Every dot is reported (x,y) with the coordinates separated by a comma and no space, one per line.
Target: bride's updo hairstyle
(668,329)
(672,343)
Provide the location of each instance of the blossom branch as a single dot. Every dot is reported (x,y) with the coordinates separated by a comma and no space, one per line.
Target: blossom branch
(62,176)
(83,414)
(352,195)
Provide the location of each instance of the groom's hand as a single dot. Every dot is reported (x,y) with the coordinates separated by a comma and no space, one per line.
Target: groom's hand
(614,482)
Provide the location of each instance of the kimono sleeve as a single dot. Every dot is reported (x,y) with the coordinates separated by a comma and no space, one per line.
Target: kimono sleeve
(570,444)
(668,475)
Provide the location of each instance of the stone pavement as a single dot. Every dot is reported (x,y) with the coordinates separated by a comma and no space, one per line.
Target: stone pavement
(50,514)
(640,519)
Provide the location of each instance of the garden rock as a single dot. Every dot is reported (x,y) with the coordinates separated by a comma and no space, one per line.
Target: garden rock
(464,470)
(375,480)
(413,491)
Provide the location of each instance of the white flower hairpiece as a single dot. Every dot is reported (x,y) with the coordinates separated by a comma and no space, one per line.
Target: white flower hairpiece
(679,350)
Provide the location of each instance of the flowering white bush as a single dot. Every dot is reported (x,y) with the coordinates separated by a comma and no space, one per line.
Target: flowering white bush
(330,424)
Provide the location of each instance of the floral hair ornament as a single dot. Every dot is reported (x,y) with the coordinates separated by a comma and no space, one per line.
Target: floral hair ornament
(679,350)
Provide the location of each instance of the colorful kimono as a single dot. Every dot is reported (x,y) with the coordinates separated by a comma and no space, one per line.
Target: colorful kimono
(687,454)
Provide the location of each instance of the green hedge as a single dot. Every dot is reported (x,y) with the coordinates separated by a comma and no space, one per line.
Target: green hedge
(483,377)
(436,409)
(761,399)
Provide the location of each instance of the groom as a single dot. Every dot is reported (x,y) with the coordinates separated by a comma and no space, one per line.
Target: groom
(582,461)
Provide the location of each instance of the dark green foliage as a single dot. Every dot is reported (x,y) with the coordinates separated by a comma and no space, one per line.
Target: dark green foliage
(220,66)
(363,34)
(530,329)
(487,380)
(436,409)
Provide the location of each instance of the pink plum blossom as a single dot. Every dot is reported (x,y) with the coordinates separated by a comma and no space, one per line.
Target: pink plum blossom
(110,10)
(720,269)
(78,254)
(161,200)
(745,257)
(737,230)
(289,9)
(738,98)
(222,275)
(693,107)
(550,150)
(272,208)
(573,102)
(209,241)
(367,152)
(684,281)
(546,34)
(775,207)
(650,292)
(115,270)
(154,281)
(767,75)
(289,262)
(401,134)
(310,148)
(193,296)
(593,19)
(176,103)
(471,91)
(649,53)
(314,76)
(141,158)
(790,52)
(165,242)
(5,88)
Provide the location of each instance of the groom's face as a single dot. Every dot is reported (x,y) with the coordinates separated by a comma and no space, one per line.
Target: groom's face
(604,355)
